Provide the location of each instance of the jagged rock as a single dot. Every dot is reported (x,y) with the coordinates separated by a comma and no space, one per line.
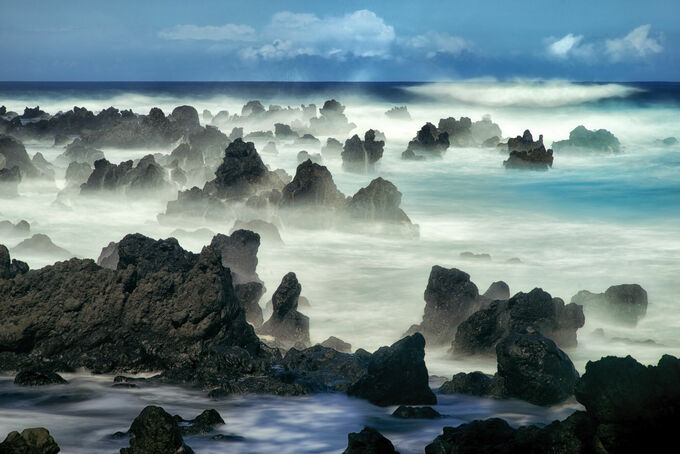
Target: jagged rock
(397,375)
(325,368)
(287,325)
(368,441)
(9,182)
(186,118)
(535,311)
(155,431)
(379,201)
(194,203)
(405,412)
(10,269)
(209,141)
(312,186)
(626,303)
(428,142)
(491,142)
(534,369)
(498,290)
(14,154)
(337,344)
(239,253)
(332,120)
(80,152)
(187,157)
(207,116)
(159,310)
(398,113)
(36,440)
(527,154)
(450,298)
(582,140)
(361,155)
(249,295)
(201,424)
(143,178)
(38,377)
(253,107)
(283,131)
(459,131)
(266,230)
(333,147)
(40,244)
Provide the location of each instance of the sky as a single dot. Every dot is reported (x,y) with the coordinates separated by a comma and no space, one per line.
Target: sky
(330,40)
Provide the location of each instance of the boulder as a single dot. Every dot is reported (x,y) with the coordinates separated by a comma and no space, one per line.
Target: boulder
(10,269)
(379,201)
(397,375)
(36,440)
(625,304)
(368,441)
(201,424)
(38,377)
(324,368)
(535,311)
(155,431)
(406,412)
(498,290)
(287,325)
(312,187)
(582,140)
(473,383)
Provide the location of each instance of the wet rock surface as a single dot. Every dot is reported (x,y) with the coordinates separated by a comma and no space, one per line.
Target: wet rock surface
(38,377)
(35,440)
(368,441)
(155,431)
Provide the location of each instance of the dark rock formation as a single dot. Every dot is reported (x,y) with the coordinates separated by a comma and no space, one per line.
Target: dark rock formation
(283,131)
(368,441)
(361,156)
(405,412)
(40,244)
(379,201)
(36,440)
(312,186)
(534,369)
(249,295)
(13,154)
(450,298)
(498,290)
(155,431)
(239,253)
(397,375)
(10,269)
(398,113)
(185,118)
(194,203)
(253,107)
(287,325)
(307,140)
(325,369)
(337,344)
(201,424)
(266,230)
(459,131)
(80,152)
(304,155)
(147,176)
(38,377)
(535,311)
(527,154)
(626,303)
(582,140)
(428,142)
(45,168)
(473,383)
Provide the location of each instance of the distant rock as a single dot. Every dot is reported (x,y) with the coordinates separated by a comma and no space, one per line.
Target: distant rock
(473,256)
(368,441)
(361,155)
(429,141)
(77,173)
(582,140)
(491,142)
(287,325)
(9,182)
(41,244)
(626,303)
(36,440)
(379,201)
(498,290)
(331,120)
(13,154)
(186,118)
(267,231)
(283,131)
(668,141)
(239,253)
(38,377)
(307,140)
(397,375)
(527,154)
(304,155)
(155,431)
(458,131)
(485,132)
(406,412)
(333,147)
(312,186)
(126,178)
(45,168)
(201,424)
(80,152)
(20,229)
(398,113)
(337,344)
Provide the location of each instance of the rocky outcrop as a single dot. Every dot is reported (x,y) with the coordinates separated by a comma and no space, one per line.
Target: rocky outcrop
(77,173)
(36,440)
(484,132)
(9,182)
(450,298)
(126,178)
(312,187)
(239,253)
(304,155)
(288,326)
(429,142)
(582,140)
(333,147)
(396,375)
(361,155)
(284,131)
(45,168)
(185,118)
(337,344)
(368,441)
(201,424)
(10,268)
(379,201)
(155,431)
(535,311)
(20,229)
(527,154)
(13,154)
(38,377)
(625,304)
(498,290)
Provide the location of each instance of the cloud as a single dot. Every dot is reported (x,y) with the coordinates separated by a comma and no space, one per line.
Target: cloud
(231,32)
(438,43)
(637,43)
(567,44)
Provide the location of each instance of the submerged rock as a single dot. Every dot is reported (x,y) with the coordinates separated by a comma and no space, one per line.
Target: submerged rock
(582,140)
(38,377)
(368,441)
(287,325)
(36,440)
(626,303)
(155,431)
(397,375)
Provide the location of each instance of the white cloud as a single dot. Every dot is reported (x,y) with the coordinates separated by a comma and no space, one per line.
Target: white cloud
(637,43)
(562,47)
(438,43)
(232,32)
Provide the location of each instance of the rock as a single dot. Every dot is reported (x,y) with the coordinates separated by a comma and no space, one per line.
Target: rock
(162,309)
(491,142)
(9,182)
(201,424)
(40,244)
(333,147)
(147,176)
(80,152)
(194,203)
(252,107)
(185,118)
(14,154)
(337,344)
(210,142)
(266,230)
(20,229)
(534,369)
(668,141)
(398,113)
(498,290)
(450,298)
(146,255)
(270,148)
(45,168)
(405,412)
(473,256)
(378,202)
(474,384)
(485,132)
(249,295)
(428,142)
(36,440)
(38,377)
(527,154)
(582,140)
(312,186)
(361,156)
(304,155)
(287,325)
(259,385)
(325,369)
(239,253)
(283,131)
(332,120)
(207,116)
(535,311)
(34,113)
(368,441)
(77,173)
(626,303)
(10,269)
(307,140)
(458,131)
(154,431)
(397,375)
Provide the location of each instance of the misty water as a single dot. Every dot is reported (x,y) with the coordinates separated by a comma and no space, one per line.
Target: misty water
(591,221)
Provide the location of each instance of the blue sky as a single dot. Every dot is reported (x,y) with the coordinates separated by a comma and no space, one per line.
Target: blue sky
(605,40)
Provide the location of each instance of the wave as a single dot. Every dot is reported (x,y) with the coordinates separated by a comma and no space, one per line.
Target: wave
(522,93)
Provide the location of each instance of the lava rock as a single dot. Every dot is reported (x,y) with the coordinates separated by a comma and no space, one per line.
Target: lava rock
(498,290)
(379,201)
(312,186)
(368,441)
(155,431)
(36,440)
(473,383)
(527,154)
(40,244)
(80,152)
(266,230)
(239,254)
(398,113)
(14,154)
(458,131)
(201,424)
(333,147)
